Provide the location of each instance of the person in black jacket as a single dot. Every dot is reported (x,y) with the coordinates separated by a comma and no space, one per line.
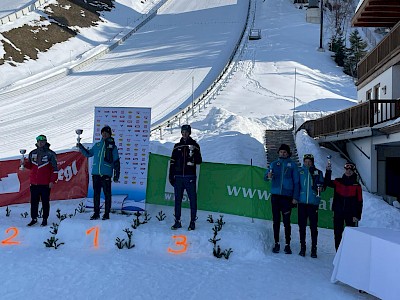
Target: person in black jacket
(347,200)
(182,175)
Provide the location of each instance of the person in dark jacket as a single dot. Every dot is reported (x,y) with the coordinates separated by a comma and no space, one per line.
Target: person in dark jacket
(42,163)
(311,185)
(106,165)
(182,175)
(285,192)
(347,200)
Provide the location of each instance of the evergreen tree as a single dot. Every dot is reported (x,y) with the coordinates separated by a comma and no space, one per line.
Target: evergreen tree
(355,53)
(339,48)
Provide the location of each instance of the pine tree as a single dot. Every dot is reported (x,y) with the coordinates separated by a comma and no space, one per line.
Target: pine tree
(355,53)
(339,48)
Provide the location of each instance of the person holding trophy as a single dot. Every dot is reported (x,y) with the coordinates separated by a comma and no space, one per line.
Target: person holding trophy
(182,175)
(42,163)
(284,176)
(311,186)
(347,199)
(106,166)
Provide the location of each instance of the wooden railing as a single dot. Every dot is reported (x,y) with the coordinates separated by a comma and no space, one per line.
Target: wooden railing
(384,51)
(367,114)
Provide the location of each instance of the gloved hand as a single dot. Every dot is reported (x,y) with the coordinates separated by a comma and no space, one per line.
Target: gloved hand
(172,180)
(115,179)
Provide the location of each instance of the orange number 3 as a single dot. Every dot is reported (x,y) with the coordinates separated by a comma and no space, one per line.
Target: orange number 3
(8,241)
(180,242)
(96,235)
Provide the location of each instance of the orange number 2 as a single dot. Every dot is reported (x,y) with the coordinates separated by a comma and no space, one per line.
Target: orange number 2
(180,242)
(96,235)
(8,241)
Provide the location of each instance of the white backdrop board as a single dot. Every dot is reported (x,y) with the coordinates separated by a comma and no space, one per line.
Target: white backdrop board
(131,131)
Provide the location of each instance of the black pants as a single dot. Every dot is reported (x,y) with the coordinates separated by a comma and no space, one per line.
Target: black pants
(187,183)
(40,192)
(281,204)
(339,218)
(308,212)
(100,182)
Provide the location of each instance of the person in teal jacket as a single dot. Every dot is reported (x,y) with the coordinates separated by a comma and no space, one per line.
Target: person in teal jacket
(311,185)
(106,165)
(284,175)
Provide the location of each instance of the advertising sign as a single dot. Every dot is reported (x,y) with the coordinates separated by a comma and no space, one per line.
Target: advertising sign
(227,188)
(131,131)
(72,179)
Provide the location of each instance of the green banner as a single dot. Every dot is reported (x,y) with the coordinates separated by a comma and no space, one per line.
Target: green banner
(226,188)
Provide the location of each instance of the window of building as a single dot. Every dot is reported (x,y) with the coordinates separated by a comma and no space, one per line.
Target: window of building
(368,96)
(376,92)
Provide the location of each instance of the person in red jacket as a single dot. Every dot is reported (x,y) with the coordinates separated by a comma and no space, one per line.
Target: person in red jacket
(42,163)
(347,200)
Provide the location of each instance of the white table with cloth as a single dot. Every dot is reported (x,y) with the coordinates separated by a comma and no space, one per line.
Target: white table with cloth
(368,259)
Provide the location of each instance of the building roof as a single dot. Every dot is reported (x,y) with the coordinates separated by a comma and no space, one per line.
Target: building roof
(377,13)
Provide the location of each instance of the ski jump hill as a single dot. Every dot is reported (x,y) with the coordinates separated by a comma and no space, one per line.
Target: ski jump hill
(165,61)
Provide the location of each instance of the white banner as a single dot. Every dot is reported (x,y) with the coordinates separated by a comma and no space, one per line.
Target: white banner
(131,131)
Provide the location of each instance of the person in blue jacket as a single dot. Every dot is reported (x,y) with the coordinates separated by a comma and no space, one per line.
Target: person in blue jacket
(106,165)
(311,185)
(284,193)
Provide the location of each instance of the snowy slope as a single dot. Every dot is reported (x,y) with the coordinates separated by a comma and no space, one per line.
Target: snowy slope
(153,68)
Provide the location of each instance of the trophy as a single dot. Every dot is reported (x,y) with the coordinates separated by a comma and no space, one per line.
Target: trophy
(329,161)
(78,139)
(22,151)
(319,189)
(191,152)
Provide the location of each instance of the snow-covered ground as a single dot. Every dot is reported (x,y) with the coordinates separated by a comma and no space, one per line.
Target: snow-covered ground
(187,39)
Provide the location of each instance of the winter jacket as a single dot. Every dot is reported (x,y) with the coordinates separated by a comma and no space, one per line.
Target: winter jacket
(183,162)
(310,178)
(285,179)
(105,158)
(43,165)
(347,198)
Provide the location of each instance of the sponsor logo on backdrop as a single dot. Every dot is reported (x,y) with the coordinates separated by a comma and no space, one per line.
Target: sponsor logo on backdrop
(134,189)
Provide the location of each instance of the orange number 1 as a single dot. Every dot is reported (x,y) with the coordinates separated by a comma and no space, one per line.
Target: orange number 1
(8,241)
(181,242)
(96,235)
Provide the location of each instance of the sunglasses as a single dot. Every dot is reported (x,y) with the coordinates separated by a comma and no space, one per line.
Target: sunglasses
(349,167)
(308,156)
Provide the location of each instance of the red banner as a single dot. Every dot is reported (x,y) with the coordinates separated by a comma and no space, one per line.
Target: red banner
(72,182)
